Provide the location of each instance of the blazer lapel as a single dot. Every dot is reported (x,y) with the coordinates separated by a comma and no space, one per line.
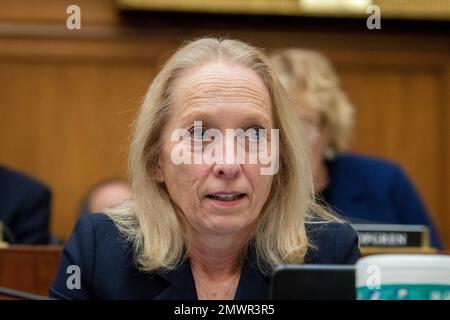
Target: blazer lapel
(181,285)
(253,285)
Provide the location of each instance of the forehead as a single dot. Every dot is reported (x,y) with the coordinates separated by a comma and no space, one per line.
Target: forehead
(215,86)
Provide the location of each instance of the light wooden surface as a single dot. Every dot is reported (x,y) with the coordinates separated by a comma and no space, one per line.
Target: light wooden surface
(29,268)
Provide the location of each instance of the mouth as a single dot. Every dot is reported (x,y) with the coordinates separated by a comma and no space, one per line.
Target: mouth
(226,198)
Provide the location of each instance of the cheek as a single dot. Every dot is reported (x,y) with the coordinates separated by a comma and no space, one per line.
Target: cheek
(175,176)
(184,181)
(260,183)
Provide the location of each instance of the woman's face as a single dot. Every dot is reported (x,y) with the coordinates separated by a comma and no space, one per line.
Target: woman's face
(227,198)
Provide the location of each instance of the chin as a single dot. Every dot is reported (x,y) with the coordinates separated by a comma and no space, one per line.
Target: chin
(227,225)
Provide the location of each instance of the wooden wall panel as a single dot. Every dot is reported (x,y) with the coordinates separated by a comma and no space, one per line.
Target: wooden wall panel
(67,99)
(399,117)
(69,124)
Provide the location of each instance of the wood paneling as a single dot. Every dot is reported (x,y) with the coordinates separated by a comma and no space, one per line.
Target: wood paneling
(29,268)
(68,98)
(399,118)
(69,124)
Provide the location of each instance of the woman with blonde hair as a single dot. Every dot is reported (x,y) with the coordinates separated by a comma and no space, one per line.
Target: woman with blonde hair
(207,224)
(364,189)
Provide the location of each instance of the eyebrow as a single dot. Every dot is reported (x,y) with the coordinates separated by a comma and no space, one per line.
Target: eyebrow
(255,118)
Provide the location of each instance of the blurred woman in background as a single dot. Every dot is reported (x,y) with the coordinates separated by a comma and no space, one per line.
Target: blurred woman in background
(361,188)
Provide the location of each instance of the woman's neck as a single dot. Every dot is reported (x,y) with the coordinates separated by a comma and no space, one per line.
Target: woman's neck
(217,257)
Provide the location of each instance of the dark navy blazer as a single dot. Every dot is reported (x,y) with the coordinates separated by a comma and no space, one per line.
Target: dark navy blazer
(24,208)
(374,190)
(105,261)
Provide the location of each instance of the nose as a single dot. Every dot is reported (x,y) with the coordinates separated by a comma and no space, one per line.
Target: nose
(226,170)
(229,167)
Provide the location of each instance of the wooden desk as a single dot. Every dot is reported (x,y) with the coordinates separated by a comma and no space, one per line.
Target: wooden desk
(368,251)
(29,268)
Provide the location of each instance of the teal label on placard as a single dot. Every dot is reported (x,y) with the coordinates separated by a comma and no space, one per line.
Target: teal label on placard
(405,292)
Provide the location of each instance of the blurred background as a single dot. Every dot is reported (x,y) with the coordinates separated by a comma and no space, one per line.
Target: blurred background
(68,97)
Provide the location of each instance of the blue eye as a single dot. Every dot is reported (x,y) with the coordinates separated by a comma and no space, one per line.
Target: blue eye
(198,133)
(254,134)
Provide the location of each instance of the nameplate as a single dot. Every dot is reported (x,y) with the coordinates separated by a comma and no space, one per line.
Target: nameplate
(392,235)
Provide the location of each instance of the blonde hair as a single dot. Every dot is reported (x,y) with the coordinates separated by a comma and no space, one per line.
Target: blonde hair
(311,71)
(151,222)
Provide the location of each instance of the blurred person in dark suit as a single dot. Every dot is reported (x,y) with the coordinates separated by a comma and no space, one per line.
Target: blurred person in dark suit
(104,194)
(24,208)
(364,189)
